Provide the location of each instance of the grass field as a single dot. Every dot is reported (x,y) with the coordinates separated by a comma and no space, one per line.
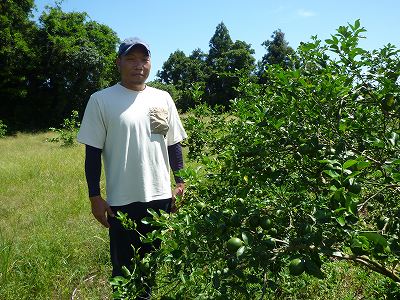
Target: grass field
(52,248)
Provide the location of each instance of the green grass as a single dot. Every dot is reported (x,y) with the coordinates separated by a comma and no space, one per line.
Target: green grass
(50,245)
(52,248)
(343,280)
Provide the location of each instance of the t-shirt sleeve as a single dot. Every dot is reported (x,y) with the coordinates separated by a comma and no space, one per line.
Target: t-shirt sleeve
(92,131)
(176,132)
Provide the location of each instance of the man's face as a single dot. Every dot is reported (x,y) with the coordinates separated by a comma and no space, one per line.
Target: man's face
(134,67)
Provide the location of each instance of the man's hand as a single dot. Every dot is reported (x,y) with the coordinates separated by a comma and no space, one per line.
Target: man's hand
(178,191)
(100,210)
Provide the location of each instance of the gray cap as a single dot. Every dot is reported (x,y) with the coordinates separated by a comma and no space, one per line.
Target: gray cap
(128,43)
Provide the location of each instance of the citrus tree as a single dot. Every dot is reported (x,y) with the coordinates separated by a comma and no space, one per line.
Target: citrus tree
(305,168)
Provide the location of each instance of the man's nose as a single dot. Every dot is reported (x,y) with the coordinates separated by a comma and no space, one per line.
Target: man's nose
(137,64)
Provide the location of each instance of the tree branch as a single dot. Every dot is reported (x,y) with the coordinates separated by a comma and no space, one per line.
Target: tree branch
(373,265)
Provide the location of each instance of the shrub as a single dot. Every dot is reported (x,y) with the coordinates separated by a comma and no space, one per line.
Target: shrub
(3,129)
(304,169)
(68,131)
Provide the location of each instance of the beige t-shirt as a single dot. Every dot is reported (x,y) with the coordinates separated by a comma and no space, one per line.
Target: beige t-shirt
(133,129)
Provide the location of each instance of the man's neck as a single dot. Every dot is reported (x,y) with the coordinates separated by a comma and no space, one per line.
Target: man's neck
(134,87)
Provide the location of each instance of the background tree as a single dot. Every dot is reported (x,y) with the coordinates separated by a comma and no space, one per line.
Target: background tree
(187,74)
(212,78)
(219,44)
(77,58)
(51,67)
(225,60)
(278,52)
(16,55)
(181,70)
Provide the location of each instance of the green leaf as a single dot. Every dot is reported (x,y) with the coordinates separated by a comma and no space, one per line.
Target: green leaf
(378,144)
(351,205)
(216,281)
(329,41)
(247,238)
(183,279)
(240,251)
(395,162)
(357,24)
(349,163)
(339,194)
(152,212)
(352,175)
(339,210)
(394,138)
(396,177)
(375,237)
(363,164)
(377,174)
(343,126)
(331,173)
(328,161)
(118,280)
(313,269)
(341,220)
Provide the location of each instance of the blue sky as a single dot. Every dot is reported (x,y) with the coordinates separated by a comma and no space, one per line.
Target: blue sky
(186,25)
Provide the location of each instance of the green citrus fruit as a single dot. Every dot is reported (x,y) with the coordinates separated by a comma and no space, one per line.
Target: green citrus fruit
(270,243)
(266,223)
(381,222)
(304,149)
(200,205)
(296,266)
(273,231)
(388,102)
(234,244)
(354,188)
(240,202)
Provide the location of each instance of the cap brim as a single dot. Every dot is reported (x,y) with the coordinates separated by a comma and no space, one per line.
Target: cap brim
(134,45)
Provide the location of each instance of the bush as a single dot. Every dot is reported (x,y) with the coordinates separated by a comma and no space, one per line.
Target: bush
(68,132)
(3,129)
(303,170)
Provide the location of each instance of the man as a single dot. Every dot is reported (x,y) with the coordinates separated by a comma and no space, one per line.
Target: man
(138,132)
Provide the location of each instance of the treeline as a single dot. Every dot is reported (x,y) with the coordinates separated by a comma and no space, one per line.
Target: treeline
(51,66)
(213,77)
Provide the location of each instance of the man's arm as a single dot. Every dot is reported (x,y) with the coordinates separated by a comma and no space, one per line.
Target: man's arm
(176,163)
(93,170)
(176,160)
(93,174)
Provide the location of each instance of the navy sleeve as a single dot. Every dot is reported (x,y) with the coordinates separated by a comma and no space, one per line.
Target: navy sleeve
(93,170)
(176,160)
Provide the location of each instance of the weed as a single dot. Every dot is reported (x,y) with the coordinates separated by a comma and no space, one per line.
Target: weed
(3,129)
(68,131)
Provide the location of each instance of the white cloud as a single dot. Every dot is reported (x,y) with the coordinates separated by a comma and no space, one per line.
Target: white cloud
(305,13)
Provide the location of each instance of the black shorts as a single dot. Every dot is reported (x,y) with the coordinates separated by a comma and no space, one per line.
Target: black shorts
(122,240)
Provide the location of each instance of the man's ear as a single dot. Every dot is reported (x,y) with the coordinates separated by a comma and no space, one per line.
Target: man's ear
(118,62)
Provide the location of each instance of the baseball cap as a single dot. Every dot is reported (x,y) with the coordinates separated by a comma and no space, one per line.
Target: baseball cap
(128,43)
